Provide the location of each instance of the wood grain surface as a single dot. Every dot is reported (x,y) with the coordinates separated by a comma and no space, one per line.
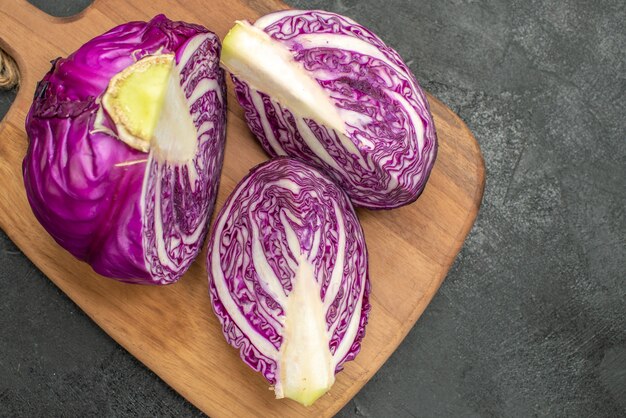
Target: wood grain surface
(172,329)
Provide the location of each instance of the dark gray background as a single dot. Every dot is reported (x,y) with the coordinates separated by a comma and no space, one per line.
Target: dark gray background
(531,319)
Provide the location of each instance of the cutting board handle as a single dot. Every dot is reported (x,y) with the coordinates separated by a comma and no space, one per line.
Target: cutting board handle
(23,25)
(24,36)
(33,38)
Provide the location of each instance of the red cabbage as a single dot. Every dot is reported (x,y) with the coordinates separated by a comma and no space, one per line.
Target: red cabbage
(107,173)
(318,86)
(288,277)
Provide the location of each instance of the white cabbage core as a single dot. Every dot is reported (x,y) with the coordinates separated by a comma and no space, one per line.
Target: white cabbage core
(150,111)
(267,66)
(175,136)
(306,365)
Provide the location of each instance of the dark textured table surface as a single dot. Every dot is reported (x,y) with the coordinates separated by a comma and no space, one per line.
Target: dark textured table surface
(531,320)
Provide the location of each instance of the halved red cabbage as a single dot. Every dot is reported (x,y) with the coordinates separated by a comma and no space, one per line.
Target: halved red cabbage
(288,277)
(126,147)
(318,86)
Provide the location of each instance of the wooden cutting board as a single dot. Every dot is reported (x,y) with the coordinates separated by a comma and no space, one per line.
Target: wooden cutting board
(172,329)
